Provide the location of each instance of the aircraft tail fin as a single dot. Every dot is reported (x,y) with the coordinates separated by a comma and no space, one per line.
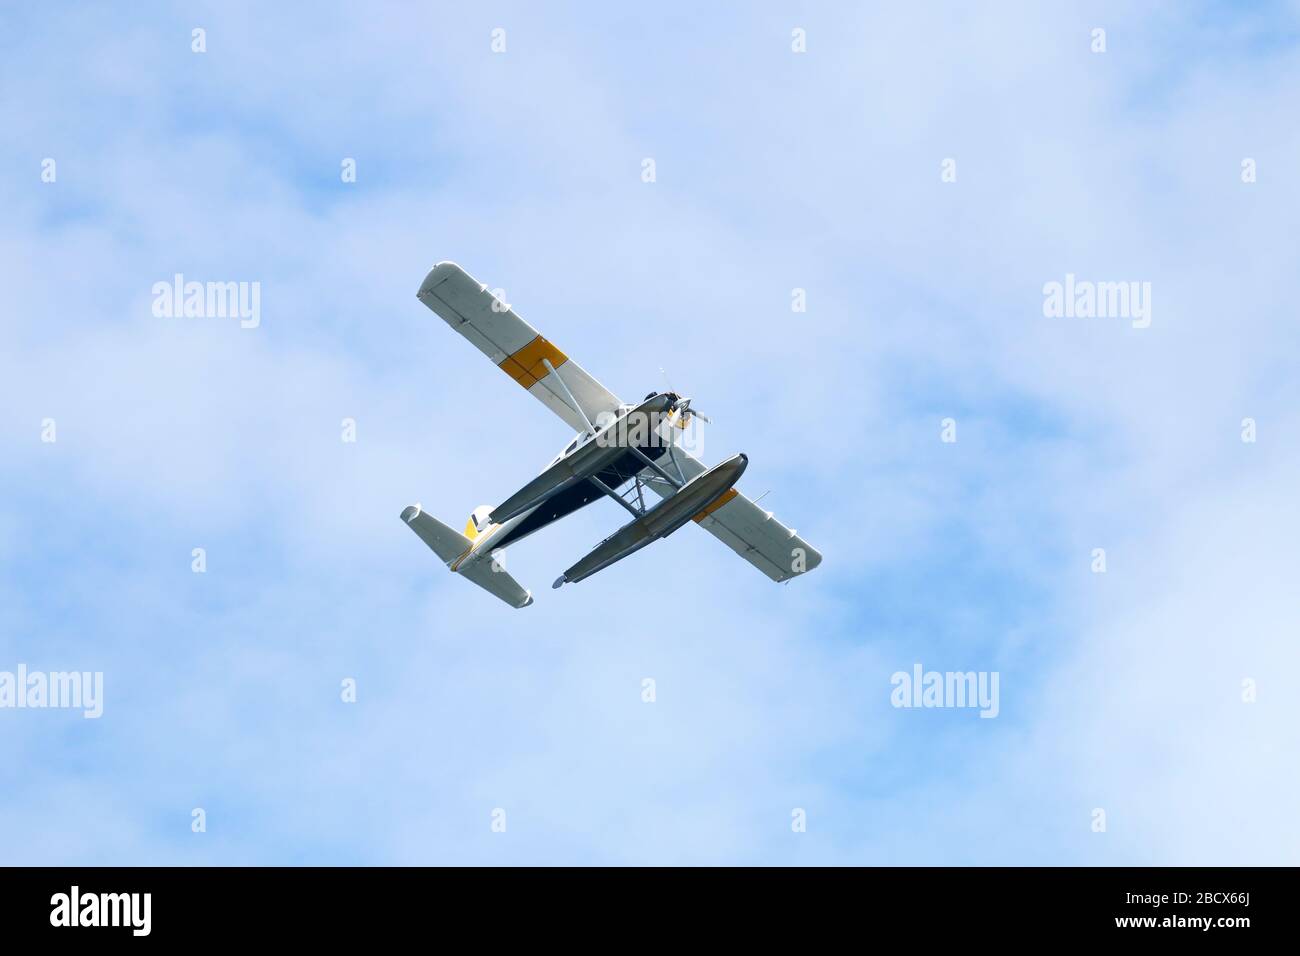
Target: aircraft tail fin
(478,521)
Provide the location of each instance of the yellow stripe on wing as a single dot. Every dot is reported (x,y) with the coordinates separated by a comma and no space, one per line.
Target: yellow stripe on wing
(525,366)
(726,496)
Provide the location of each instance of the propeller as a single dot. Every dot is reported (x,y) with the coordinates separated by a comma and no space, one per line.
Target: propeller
(683,407)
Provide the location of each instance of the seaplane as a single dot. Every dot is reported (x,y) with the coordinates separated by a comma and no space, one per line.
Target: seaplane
(632,454)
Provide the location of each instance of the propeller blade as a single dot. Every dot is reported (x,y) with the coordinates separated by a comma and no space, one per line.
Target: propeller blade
(684,409)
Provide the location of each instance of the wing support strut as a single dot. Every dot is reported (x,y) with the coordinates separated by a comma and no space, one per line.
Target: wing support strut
(591,429)
(654,467)
(606,489)
(676,463)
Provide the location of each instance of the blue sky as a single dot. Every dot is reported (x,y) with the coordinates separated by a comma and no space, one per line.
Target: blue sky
(1120,691)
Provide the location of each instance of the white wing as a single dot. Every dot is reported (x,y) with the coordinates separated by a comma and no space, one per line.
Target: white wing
(514,346)
(742,526)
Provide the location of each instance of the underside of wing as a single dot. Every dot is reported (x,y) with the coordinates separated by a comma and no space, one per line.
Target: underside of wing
(741,525)
(515,347)
(759,538)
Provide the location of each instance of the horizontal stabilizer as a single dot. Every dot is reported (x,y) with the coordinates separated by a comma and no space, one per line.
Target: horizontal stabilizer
(445,542)
(449,545)
(491,577)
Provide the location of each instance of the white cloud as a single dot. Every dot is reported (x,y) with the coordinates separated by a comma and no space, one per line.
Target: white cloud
(925,300)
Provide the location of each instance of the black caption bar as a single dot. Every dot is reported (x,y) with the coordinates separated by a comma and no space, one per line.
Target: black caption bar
(335,905)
